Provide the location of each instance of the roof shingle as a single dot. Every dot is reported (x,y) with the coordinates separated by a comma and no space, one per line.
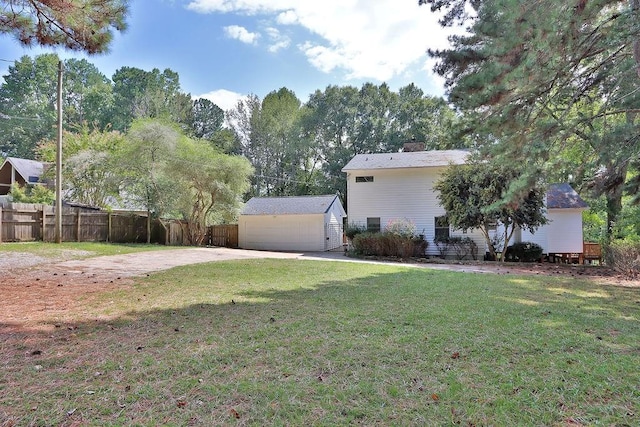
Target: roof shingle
(295,205)
(417,159)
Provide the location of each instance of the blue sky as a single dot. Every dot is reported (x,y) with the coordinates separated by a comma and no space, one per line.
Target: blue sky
(225,49)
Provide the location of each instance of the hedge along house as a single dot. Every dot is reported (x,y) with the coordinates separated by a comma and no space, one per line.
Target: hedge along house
(21,172)
(386,186)
(300,223)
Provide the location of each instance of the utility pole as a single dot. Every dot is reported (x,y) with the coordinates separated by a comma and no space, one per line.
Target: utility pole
(58,233)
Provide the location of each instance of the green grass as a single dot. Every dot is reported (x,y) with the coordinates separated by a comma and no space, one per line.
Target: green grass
(282,342)
(75,250)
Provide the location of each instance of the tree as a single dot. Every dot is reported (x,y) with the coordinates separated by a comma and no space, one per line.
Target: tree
(474,195)
(537,77)
(151,94)
(143,163)
(85,25)
(90,166)
(28,104)
(215,183)
(28,101)
(208,119)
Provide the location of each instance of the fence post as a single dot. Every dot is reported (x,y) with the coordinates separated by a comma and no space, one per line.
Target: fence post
(44,222)
(0,224)
(78,227)
(109,228)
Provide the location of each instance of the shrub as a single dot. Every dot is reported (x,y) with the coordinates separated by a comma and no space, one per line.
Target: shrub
(524,252)
(623,256)
(462,247)
(388,244)
(401,227)
(352,230)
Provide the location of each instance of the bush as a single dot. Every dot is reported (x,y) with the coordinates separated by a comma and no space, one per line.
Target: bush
(462,247)
(401,227)
(524,252)
(388,244)
(623,256)
(352,230)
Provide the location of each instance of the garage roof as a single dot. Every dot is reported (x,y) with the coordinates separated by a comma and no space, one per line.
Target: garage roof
(294,205)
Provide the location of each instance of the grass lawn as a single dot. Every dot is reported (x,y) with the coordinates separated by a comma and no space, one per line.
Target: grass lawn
(75,250)
(291,342)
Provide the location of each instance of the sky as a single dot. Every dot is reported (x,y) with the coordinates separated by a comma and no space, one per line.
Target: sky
(226,49)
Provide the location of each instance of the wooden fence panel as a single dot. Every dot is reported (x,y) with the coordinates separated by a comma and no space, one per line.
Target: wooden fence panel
(223,235)
(26,222)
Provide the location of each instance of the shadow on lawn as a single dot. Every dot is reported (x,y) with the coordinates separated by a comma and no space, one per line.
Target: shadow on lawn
(177,361)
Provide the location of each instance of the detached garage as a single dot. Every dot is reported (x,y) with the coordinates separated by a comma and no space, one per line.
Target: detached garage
(301,223)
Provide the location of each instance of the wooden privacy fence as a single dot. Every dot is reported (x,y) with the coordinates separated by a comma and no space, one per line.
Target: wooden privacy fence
(21,222)
(28,222)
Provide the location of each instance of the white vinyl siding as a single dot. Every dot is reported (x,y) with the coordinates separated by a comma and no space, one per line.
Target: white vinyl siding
(400,193)
(282,232)
(562,234)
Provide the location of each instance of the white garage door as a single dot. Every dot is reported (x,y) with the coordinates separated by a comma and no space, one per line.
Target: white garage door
(283,233)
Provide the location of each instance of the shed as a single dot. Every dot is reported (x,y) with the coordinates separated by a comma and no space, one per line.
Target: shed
(563,233)
(298,223)
(19,171)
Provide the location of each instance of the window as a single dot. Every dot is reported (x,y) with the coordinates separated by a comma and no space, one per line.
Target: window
(364,179)
(442,227)
(373,224)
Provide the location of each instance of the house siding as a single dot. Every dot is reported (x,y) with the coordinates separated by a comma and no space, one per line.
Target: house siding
(562,234)
(397,194)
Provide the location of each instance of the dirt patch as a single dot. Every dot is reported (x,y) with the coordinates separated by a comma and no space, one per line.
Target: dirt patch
(37,291)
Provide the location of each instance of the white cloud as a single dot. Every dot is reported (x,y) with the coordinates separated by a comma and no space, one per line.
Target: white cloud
(367,40)
(242,34)
(225,99)
(277,40)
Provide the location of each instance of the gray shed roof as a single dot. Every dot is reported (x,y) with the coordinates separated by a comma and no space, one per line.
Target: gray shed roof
(562,196)
(417,159)
(295,205)
(28,169)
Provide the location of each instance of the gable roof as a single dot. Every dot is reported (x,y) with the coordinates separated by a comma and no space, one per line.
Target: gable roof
(25,167)
(415,159)
(294,205)
(562,196)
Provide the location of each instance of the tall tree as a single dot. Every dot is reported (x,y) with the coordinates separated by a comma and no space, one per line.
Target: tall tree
(85,25)
(214,183)
(28,104)
(208,119)
(149,94)
(270,137)
(539,76)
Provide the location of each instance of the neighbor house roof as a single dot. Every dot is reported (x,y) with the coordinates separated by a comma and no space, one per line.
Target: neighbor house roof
(295,205)
(416,159)
(30,170)
(562,196)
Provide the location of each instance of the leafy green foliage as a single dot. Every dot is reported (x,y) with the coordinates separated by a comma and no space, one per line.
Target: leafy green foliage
(479,195)
(32,194)
(524,252)
(90,165)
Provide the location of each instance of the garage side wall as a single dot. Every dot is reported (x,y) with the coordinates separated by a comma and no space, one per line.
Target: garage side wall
(282,232)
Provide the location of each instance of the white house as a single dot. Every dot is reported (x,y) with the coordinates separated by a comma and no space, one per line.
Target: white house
(382,187)
(300,223)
